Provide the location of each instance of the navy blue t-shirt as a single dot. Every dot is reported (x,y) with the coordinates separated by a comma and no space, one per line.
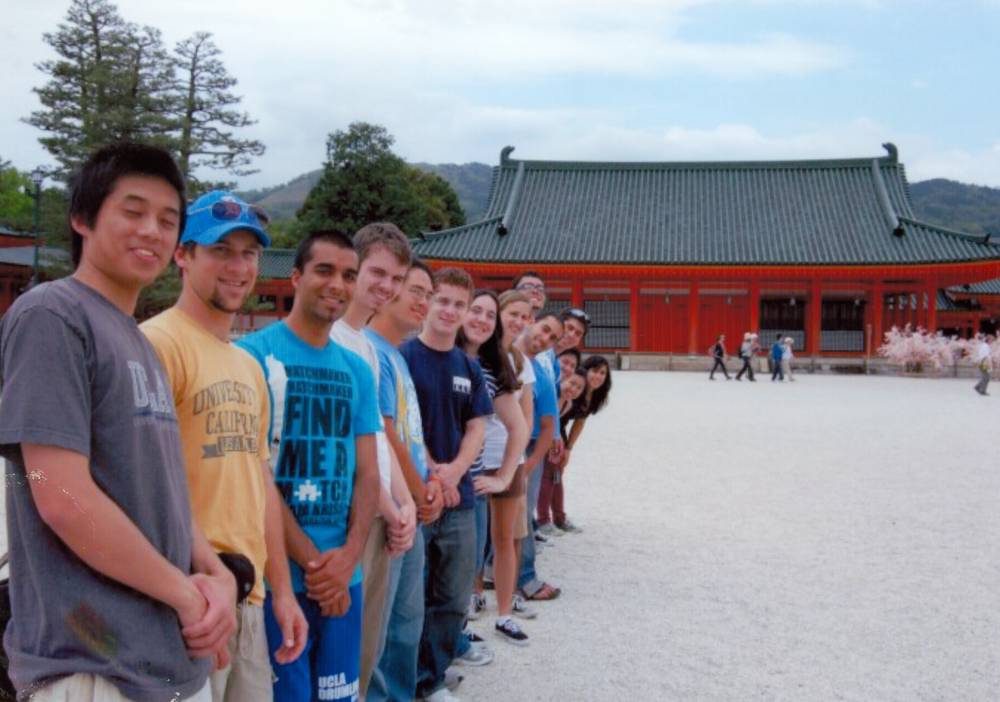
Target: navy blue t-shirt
(451,390)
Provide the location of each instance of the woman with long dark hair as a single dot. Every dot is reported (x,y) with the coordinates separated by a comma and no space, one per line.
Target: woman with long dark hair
(592,400)
(484,336)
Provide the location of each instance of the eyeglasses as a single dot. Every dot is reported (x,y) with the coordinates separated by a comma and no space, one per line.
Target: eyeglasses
(539,287)
(228,210)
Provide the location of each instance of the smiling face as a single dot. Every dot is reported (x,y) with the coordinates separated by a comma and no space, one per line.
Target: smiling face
(573,331)
(542,335)
(323,288)
(567,364)
(409,308)
(448,309)
(223,274)
(534,288)
(596,376)
(134,234)
(514,317)
(481,320)
(380,279)
(572,387)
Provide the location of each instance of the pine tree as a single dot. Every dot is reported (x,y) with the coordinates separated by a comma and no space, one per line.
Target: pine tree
(111,81)
(206,113)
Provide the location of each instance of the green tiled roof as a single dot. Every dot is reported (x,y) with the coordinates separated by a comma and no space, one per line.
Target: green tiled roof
(841,211)
(277,263)
(25,255)
(987,287)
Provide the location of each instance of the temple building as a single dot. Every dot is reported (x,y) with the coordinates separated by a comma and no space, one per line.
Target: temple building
(666,256)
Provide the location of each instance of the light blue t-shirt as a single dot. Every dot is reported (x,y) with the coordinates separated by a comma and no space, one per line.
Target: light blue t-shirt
(321,400)
(544,391)
(397,398)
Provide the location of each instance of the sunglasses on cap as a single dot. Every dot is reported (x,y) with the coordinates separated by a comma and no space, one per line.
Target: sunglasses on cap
(229,210)
(578,314)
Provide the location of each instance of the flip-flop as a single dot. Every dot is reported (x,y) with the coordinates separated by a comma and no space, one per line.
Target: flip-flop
(544,593)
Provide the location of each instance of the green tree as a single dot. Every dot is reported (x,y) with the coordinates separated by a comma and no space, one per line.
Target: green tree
(207,113)
(110,81)
(363,181)
(15,203)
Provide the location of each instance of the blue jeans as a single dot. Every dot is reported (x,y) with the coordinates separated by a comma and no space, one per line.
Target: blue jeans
(482,530)
(528,580)
(395,676)
(449,570)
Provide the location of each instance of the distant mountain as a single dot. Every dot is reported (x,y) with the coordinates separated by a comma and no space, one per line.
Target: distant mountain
(968,208)
(471,182)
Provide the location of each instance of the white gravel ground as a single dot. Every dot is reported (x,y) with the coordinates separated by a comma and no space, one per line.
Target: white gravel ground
(832,539)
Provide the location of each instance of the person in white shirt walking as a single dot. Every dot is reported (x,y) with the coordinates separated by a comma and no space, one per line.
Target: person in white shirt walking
(984,363)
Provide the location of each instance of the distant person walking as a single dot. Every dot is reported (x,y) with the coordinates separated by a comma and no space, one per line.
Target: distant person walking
(777,352)
(786,358)
(983,362)
(718,352)
(746,355)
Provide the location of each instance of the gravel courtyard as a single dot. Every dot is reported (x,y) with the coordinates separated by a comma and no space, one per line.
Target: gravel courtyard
(835,538)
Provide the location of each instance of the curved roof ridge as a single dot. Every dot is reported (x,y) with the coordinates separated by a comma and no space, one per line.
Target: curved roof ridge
(441,233)
(543,164)
(979,238)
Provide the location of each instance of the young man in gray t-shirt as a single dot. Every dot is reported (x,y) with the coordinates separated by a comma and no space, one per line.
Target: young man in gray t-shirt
(114,593)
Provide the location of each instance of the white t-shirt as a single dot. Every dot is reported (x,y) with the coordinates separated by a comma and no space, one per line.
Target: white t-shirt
(355,340)
(495,441)
(982,351)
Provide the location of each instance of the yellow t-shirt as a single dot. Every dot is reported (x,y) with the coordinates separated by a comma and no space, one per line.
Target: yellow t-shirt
(222,411)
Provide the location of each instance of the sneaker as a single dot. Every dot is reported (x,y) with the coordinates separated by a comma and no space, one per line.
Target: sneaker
(510,632)
(569,527)
(452,679)
(472,636)
(520,608)
(441,695)
(540,538)
(477,603)
(546,529)
(479,654)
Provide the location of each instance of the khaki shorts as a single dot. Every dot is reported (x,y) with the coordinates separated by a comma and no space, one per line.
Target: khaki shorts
(87,687)
(248,675)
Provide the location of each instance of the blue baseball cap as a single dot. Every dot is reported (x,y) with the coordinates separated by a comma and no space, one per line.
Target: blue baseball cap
(213,215)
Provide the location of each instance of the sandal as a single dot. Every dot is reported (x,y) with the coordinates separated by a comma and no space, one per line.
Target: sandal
(545,592)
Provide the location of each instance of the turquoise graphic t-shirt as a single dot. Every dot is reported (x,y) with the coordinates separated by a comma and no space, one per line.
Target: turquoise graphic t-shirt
(398,400)
(321,400)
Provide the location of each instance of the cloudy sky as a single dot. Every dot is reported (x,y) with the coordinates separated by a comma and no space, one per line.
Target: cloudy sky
(583,79)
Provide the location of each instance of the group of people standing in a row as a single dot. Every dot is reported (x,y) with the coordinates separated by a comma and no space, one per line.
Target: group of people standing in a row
(779,358)
(352,477)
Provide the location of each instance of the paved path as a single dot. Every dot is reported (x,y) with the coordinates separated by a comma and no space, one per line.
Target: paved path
(832,539)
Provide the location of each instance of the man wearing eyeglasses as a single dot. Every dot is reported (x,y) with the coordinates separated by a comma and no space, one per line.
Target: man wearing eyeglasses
(222,410)
(531,284)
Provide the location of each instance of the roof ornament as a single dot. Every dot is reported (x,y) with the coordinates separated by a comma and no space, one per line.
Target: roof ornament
(505,153)
(893,151)
(515,190)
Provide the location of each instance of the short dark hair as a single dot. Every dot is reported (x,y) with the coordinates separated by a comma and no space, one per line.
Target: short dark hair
(303,253)
(91,185)
(526,274)
(546,315)
(419,264)
(385,234)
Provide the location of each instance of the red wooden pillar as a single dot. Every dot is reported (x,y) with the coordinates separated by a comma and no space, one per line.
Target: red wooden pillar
(931,307)
(815,319)
(633,315)
(754,306)
(877,303)
(577,293)
(693,306)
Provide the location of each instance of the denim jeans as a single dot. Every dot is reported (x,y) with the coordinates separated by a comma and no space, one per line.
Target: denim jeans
(395,676)
(528,580)
(482,530)
(449,570)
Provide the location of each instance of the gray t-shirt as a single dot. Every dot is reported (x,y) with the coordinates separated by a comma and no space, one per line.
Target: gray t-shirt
(78,374)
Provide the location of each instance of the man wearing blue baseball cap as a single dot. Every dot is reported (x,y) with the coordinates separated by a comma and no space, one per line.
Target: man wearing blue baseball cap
(223,411)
